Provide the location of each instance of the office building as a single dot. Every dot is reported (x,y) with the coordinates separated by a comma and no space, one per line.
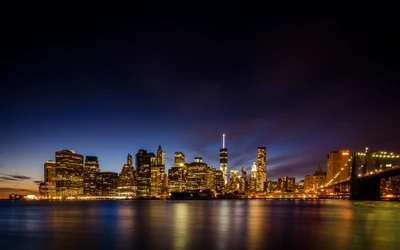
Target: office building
(69,173)
(48,188)
(223,160)
(126,185)
(143,165)
(261,169)
(90,170)
(106,184)
(317,180)
(338,166)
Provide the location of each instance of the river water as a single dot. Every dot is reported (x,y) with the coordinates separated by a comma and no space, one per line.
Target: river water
(200,224)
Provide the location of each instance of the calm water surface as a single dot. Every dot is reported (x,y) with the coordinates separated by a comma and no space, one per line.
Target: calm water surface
(198,224)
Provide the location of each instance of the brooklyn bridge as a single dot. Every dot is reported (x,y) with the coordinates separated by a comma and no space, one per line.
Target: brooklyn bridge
(368,170)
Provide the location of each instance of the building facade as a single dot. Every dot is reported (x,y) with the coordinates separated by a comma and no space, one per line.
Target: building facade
(287,184)
(261,169)
(69,173)
(317,180)
(338,166)
(106,184)
(90,170)
(48,188)
(126,185)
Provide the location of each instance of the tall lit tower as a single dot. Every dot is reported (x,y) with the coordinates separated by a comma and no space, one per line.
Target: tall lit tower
(223,160)
(261,168)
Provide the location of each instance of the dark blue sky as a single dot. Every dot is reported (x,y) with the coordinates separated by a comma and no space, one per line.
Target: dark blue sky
(109,81)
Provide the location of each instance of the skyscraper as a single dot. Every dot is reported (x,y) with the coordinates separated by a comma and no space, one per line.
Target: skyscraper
(126,184)
(161,183)
(196,175)
(143,165)
(243,180)
(261,168)
(252,187)
(338,167)
(223,160)
(90,170)
(50,179)
(69,171)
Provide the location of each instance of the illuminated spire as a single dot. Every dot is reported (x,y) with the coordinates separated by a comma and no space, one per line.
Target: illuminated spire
(223,140)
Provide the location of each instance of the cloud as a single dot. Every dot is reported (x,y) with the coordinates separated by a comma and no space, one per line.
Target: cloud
(21,177)
(22,191)
(6,178)
(37,182)
(15,177)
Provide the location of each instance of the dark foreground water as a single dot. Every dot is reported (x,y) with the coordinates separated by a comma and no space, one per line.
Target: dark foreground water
(200,224)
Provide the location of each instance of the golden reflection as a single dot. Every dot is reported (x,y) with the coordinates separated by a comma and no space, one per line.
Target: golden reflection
(256,221)
(180,225)
(379,222)
(345,232)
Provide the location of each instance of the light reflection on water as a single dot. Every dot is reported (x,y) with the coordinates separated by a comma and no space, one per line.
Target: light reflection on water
(202,224)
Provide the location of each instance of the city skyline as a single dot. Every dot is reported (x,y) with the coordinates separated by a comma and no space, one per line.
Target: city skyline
(299,82)
(22,177)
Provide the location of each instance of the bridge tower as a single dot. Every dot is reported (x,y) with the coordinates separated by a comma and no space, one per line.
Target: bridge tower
(366,185)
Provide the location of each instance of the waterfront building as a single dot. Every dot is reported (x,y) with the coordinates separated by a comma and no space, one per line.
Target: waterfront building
(338,166)
(143,165)
(176,180)
(69,173)
(196,175)
(234,181)
(261,169)
(165,185)
(272,186)
(126,185)
(253,179)
(106,184)
(158,184)
(243,181)
(317,180)
(219,181)
(210,178)
(223,160)
(287,184)
(48,187)
(90,170)
(300,187)
(156,181)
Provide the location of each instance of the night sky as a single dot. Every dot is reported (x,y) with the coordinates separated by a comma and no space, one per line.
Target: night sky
(108,81)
